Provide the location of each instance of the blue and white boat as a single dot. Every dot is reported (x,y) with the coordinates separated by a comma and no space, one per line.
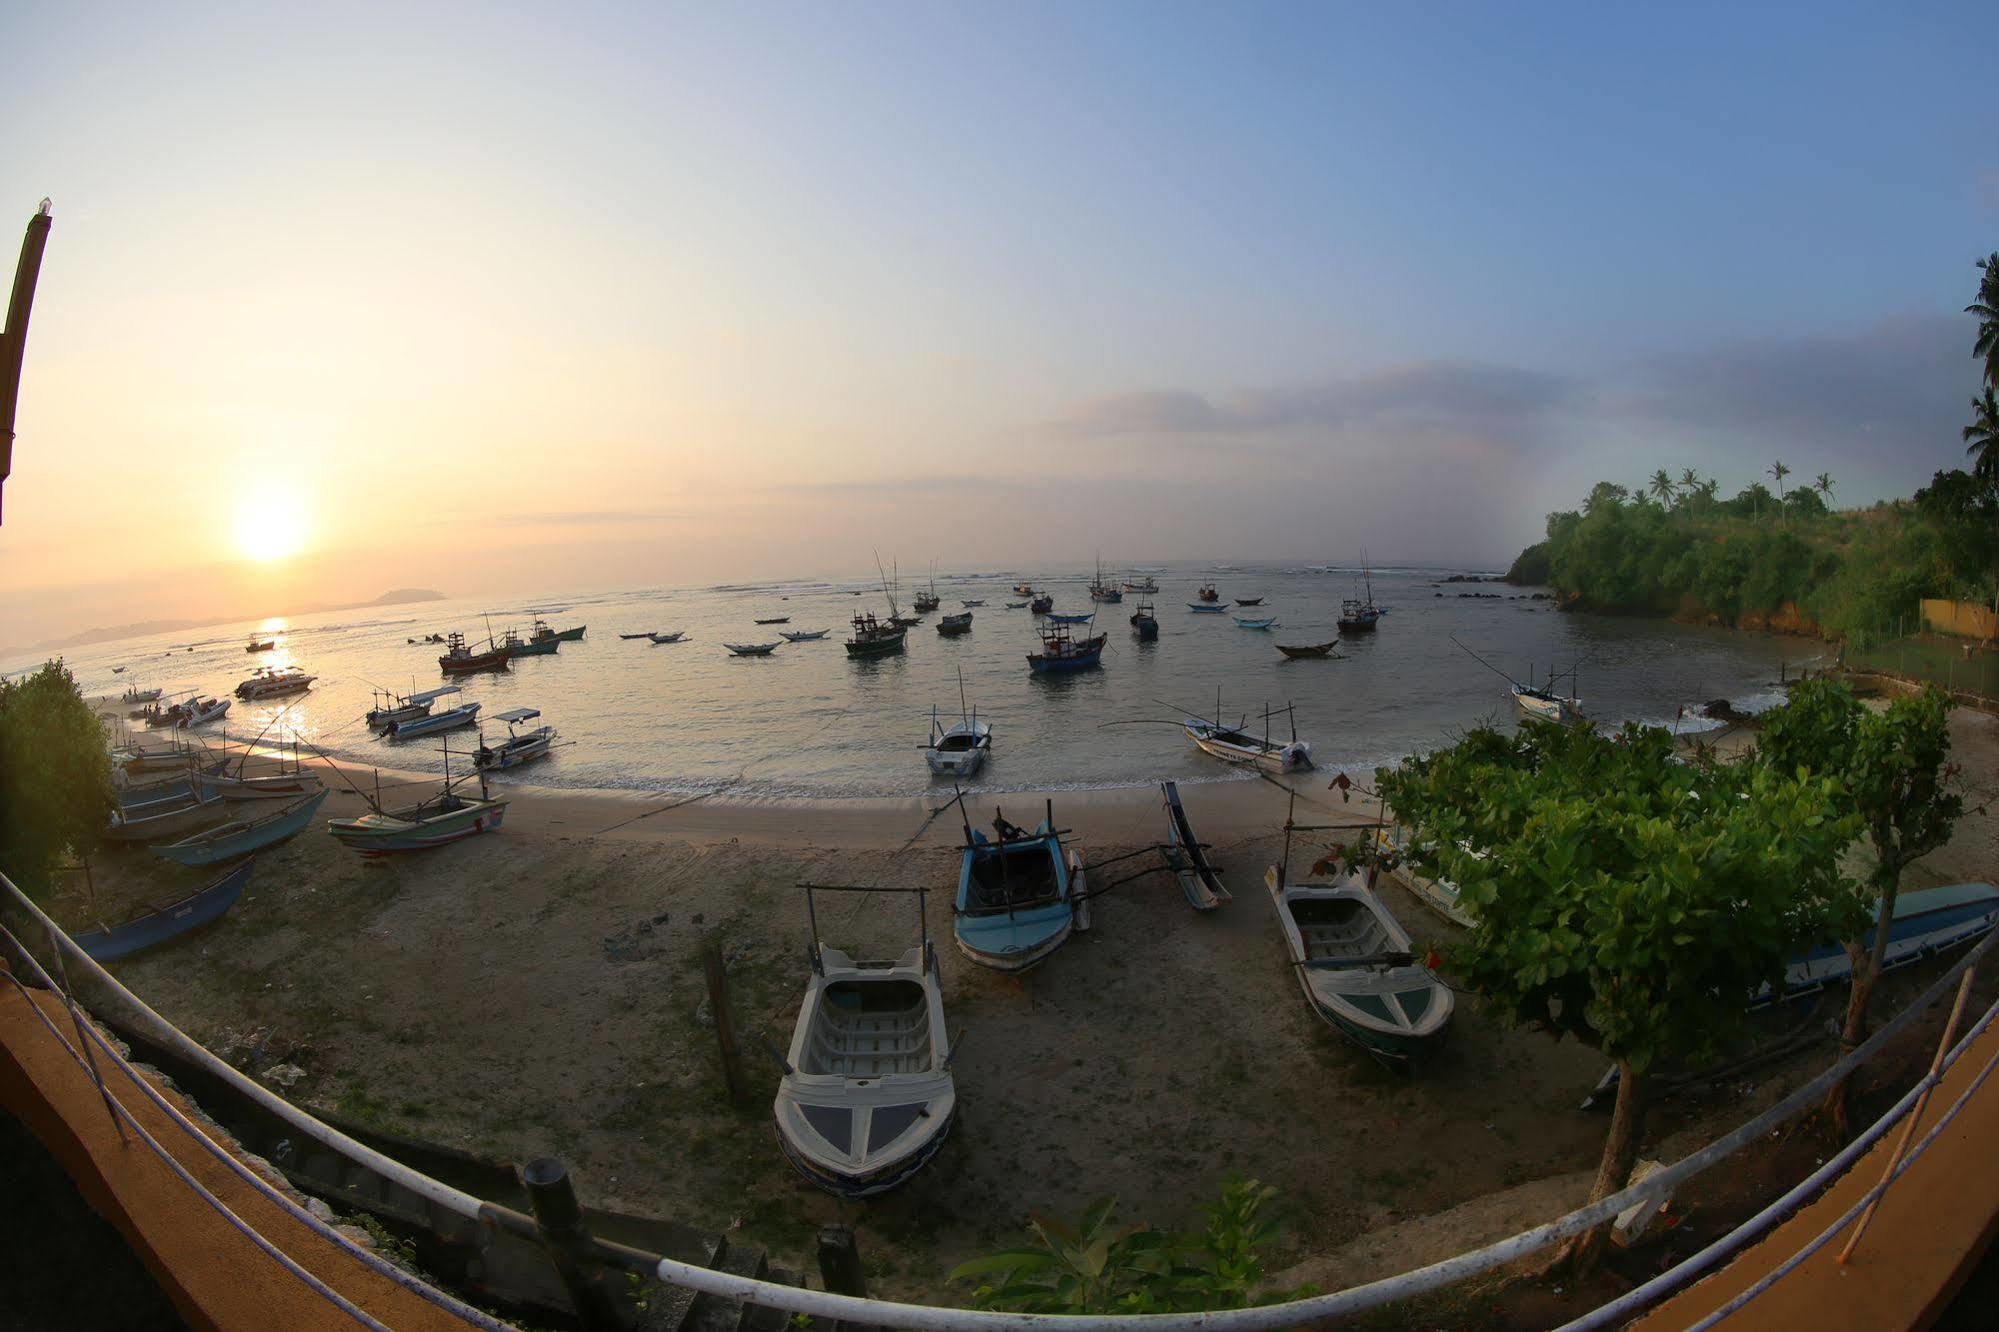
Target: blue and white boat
(1925,922)
(1018,896)
(1060,651)
(451,719)
(244,836)
(156,926)
(1053,618)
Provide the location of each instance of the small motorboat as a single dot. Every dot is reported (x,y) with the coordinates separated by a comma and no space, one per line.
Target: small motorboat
(392,708)
(960,749)
(201,711)
(803,635)
(1235,744)
(867,1096)
(1357,968)
(776,619)
(516,646)
(519,747)
(1267,622)
(1249,601)
(953,625)
(968,605)
(451,719)
(158,924)
(1305,650)
(1207,608)
(750,649)
(1042,604)
(543,634)
(1016,605)
(1018,894)
(267,683)
(441,819)
(676,636)
(242,837)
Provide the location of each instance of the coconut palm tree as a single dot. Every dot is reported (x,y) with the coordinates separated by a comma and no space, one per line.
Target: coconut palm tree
(1981,437)
(1662,486)
(1823,485)
(1986,307)
(1779,471)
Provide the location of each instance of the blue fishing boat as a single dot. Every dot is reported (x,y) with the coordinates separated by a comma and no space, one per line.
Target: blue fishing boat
(1926,921)
(1207,608)
(1085,618)
(230,840)
(1063,652)
(158,925)
(1017,896)
(1267,622)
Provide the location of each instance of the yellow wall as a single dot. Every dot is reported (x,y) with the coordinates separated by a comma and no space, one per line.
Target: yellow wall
(1966,618)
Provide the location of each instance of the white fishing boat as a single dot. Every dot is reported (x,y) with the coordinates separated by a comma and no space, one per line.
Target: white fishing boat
(392,708)
(443,818)
(265,682)
(750,649)
(519,747)
(867,1095)
(803,635)
(1357,969)
(1440,895)
(1546,703)
(1237,744)
(451,719)
(138,695)
(170,816)
(201,711)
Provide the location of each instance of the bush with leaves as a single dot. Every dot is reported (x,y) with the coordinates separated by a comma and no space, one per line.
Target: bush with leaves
(1097,1267)
(55,784)
(1622,896)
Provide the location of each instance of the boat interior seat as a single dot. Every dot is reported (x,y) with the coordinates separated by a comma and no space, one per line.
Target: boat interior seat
(1338,929)
(870,1041)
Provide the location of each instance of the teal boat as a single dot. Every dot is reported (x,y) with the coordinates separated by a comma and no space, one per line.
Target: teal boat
(1017,896)
(244,836)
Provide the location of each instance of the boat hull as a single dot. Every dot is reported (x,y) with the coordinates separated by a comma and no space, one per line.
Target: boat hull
(878,647)
(865,1186)
(191,913)
(232,840)
(544,648)
(456,719)
(467,665)
(376,840)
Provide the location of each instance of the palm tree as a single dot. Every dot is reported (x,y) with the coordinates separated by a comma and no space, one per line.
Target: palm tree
(1662,486)
(1779,471)
(1981,437)
(1986,307)
(1823,485)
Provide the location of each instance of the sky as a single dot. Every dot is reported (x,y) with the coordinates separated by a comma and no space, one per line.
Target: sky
(542,298)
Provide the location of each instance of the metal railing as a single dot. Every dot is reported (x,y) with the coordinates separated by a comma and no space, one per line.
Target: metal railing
(1357,1299)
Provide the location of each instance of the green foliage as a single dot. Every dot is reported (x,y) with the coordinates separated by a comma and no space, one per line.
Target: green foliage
(1531,568)
(55,785)
(1095,1267)
(1622,896)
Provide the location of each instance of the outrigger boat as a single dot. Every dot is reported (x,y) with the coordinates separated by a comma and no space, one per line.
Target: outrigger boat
(1357,970)
(750,649)
(392,708)
(157,925)
(867,1095)
(1207,608)
(1545,703)
(1061,651)
(267,683)
(1187,856)
(1083,618)
(778,619)
(643,633)
(172,816)
(1016,605)
(517,748)
(445,817)
(243,837)
(1440,895)
(1269,622)
(803,635)
(953,625)
(977,601)
(927,600)
(1249,601)
(674,637)
(461,660)
(451,719)
(1019,897)
(960,749)
(1234,744)
(1307,650)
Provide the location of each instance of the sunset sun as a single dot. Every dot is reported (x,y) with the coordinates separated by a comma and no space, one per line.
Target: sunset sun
(270,524)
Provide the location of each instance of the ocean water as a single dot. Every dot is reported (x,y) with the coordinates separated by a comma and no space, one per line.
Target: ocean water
(808,720)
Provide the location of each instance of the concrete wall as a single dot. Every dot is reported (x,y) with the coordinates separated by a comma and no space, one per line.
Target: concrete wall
(1967,619)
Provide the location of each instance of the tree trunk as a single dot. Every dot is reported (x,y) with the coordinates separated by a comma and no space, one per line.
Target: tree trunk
(1620,1153)
(1866,975)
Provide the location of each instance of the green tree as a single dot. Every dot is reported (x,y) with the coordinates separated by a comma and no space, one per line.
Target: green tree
(1779,472)
(55,783)
(1823,485)
(1661,485)
(1981,437)
(1622,897)
(1894,772)
(1986,308)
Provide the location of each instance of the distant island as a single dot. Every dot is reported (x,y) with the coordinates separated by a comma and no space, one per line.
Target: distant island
(1762,560)
(401,596)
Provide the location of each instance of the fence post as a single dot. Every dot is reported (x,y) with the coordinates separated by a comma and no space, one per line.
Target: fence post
(558,1220)
(725,1026)
(840,1267)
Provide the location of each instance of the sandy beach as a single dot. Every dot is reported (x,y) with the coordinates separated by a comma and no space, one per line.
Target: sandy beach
(539,991)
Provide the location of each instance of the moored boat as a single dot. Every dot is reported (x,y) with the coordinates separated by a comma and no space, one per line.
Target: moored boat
(1042,604)
(867,1096)
(873,638)
(1360,614)
(1357,969)
(952,625)
(1206,592)
(1545,703)
(392,708)
(519,747)
(267,683)
(1207,608)
(157,925)
(1307,650)
(750,649)
(241,837)
(459,659)
(1249,601)
(1236,744)
(1266,622)
(643,633)
(674,637)
(516,646)
(1017,895)
(803,635)
(1145,621)
(776,619)
(543,634)
(1061,651)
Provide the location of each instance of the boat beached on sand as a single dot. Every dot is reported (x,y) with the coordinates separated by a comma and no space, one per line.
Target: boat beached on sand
(451,719)
(445,817)
(1236,744)
(867,1096)
(517,748)
(1019,896)
(242,837)
(108,943)
(960,749)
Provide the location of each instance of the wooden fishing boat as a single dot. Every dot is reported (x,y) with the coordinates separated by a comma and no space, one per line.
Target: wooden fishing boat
(803,635)
(516,646)
(1307,650)
(750,649)
(1104,590)
(267,683)
(519,747)
(261,645)
(1546,703)
(1083,618)
(157,925)
(1267,622)
(1440,895)
(543,634)
(241,837)
(1249,601)
(1207,608)
(1925,922)
(780,619)
(157,796)
(1023,589)
(1145,621)
(138,695)
(1016,605)
(674,637)
(905,621)
(1018,896)
(451,719)
(874,639)
(392,708)
(1360,614)
(867,1095)
(953,625)
(1147,584)
(927,600)
(1206,592)
(1187,857)
(434,822)
(156,820)
(138,759)
(972,604)
(1356,967)
(643,633)
(269,786)
(1042,604)
(117,670)
(461,660)
(1061,652)
(1235,744)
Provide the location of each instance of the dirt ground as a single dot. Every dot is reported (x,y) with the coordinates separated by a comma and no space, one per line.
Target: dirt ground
(539,991)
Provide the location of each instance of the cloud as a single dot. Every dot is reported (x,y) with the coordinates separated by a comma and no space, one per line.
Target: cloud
(1480,398)
(581,518)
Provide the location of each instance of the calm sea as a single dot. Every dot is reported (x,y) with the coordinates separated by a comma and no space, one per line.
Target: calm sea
(688,717)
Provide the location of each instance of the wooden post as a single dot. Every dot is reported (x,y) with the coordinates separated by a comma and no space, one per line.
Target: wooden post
(558,1220)
(840,1268)
(725,1027)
